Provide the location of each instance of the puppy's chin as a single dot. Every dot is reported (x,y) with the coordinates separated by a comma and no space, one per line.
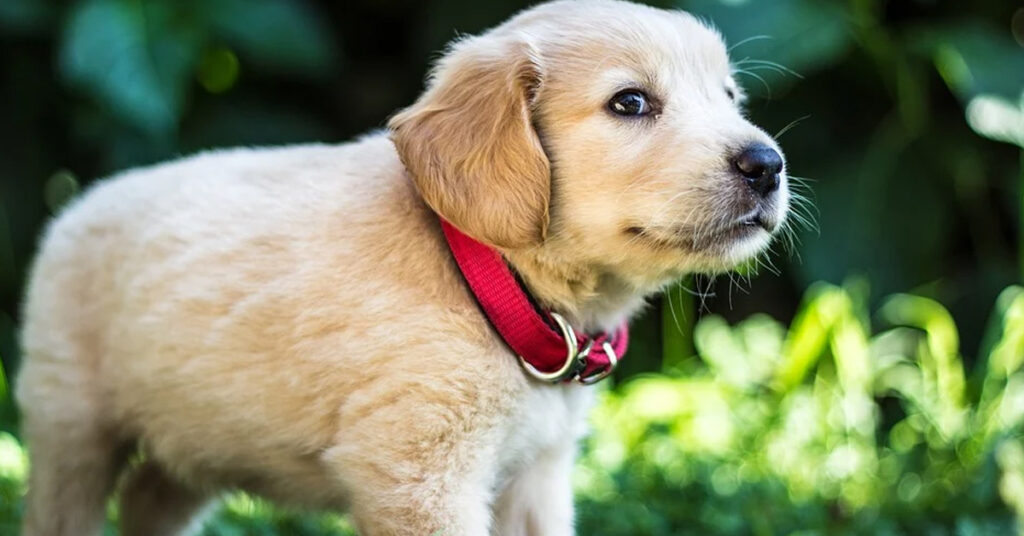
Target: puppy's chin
(666,261)
(727,255)
(744,249)
(722,250)
(740,243)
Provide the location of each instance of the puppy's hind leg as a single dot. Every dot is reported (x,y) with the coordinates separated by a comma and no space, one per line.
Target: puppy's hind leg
(74,466)
(153,503)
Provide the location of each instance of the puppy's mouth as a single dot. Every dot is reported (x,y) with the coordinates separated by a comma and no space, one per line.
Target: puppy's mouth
(708,238)
(758,219)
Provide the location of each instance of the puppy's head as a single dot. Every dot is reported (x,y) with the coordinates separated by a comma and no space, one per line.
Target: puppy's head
(597,133)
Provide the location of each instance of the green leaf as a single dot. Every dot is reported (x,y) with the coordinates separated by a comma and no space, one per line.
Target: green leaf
(1007,354)
(135,58)
(283,36)
(743,355)
(808,335)
(973,58)
(801,35)
(997,118)
(939,358)
(25,16)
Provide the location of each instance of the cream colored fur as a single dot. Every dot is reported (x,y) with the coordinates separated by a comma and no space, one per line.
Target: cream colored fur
(289,321)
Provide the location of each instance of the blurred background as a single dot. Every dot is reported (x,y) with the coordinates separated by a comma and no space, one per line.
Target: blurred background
(868,381)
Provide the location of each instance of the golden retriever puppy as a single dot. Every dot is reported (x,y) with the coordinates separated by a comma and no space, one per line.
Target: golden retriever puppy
(290,321)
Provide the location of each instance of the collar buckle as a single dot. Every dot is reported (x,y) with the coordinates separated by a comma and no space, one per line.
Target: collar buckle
(613,360)
(575,358)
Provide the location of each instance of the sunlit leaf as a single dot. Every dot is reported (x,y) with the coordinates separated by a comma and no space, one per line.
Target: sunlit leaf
(997,118)
(973,58)
(1010,456)
(850,351)
(808,337)
(13,459)
(1007,355)
(939,359)
(742,355)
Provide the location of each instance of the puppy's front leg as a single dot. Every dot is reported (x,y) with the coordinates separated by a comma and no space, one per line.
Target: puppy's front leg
(538,501)
(419,459)
(392,494)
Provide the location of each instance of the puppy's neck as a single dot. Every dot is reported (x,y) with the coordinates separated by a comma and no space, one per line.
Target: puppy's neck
(591,298)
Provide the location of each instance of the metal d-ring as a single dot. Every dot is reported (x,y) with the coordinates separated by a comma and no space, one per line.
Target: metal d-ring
(612,361)
(574,355)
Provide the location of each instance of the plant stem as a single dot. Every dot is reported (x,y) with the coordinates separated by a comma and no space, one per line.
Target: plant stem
(3,387)
(677,317)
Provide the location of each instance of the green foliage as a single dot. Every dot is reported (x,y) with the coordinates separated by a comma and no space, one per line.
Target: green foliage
(138,59)
(823,428)
(126,55)
(13,468)
(243,515)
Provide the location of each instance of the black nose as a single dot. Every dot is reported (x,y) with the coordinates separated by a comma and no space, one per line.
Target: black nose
(760,166)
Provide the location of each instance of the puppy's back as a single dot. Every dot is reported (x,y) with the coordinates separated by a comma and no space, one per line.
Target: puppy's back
(147,230)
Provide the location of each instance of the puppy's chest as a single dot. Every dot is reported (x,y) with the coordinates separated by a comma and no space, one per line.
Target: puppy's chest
(548,417)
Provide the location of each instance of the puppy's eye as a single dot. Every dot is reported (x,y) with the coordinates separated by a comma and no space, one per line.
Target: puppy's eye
(630,102)
(731,93)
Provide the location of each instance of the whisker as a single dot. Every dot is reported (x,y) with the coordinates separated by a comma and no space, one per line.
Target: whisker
(768,264)
(805,209)
(672,309)
(757,66)
(748,40)
(759,78)
(705,293)
(779,66)
(792,124)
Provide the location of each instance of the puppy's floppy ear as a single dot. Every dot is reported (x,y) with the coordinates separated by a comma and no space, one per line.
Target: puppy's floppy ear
(470,145)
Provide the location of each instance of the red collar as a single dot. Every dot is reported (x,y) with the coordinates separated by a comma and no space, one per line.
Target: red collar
(547,346)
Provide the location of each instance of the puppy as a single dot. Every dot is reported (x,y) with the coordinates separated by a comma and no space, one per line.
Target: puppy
(291,321)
